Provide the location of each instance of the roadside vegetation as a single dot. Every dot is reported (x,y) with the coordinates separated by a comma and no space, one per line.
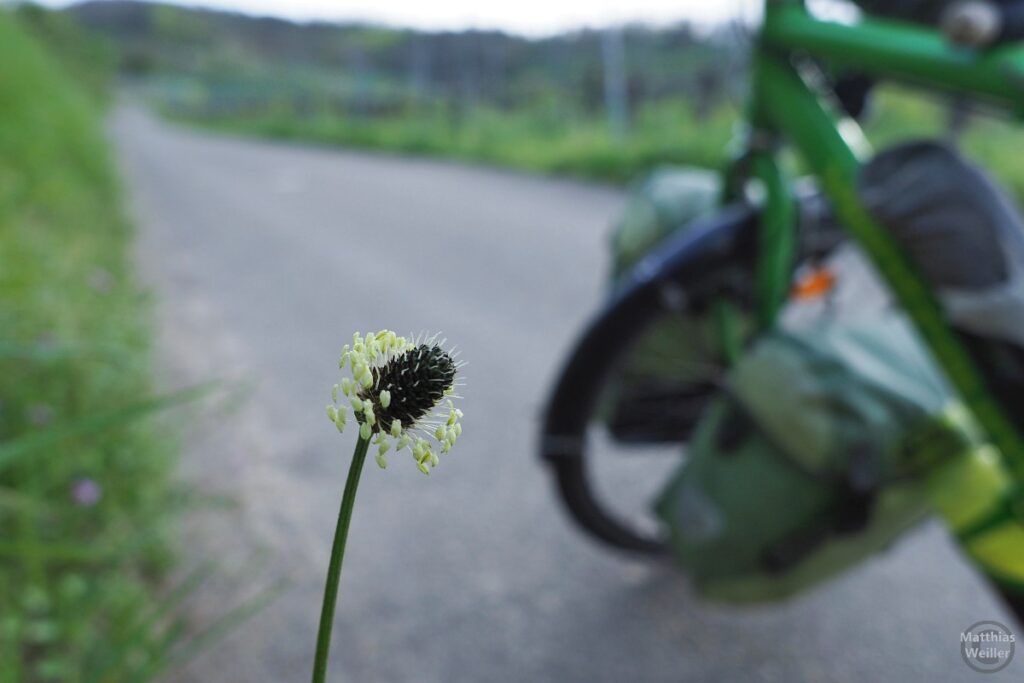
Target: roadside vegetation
(604,105)
(573,143)
(540,141)
(86,496)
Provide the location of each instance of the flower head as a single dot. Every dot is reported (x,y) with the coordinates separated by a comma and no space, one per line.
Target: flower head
(86,492)
(401,393)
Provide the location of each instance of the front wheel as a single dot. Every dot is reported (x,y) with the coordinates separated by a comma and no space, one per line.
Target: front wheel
(638,380)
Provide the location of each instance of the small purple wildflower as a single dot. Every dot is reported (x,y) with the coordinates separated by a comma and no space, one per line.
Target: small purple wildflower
(86,492)
(47,344)
(40,414)
(101,280)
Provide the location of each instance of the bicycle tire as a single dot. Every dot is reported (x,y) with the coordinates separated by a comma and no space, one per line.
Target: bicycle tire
(723,242)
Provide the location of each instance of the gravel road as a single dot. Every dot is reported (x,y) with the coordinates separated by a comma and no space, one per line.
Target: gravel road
(265,258)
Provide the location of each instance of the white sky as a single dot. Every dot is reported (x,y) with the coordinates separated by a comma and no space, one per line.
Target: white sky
(532,17)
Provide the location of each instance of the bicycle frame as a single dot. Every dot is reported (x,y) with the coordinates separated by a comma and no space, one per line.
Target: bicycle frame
(977,494)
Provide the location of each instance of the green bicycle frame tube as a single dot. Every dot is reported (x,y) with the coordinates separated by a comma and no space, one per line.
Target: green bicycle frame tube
(899,51)
(978,493)
(777,239)
(799,114)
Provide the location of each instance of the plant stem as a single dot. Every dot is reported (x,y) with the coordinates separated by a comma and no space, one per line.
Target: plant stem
(323,638)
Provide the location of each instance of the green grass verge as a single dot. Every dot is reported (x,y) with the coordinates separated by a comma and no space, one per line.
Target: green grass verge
(85,470)
(550,139)
(538,140)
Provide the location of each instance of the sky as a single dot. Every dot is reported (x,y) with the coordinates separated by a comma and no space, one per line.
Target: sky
(529,17)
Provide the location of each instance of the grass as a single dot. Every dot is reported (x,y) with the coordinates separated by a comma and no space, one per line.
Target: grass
(86,497)
(546,136)
(88,59)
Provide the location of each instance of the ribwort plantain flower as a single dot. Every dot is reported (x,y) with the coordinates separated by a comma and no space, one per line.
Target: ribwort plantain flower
(401,393)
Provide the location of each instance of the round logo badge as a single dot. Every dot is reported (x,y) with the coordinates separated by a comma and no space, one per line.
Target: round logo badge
(987,646)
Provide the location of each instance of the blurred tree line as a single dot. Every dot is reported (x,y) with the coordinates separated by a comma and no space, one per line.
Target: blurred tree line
(230,64)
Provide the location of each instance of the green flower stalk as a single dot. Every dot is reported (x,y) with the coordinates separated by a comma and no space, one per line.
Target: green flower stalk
(402,395)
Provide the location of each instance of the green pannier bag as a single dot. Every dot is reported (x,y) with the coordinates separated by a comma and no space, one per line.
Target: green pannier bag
(811,460)
(667,199)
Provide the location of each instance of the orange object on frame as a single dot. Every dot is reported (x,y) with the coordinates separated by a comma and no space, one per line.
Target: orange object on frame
(815,283)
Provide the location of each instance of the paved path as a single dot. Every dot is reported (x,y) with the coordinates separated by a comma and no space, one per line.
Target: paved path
(266,257)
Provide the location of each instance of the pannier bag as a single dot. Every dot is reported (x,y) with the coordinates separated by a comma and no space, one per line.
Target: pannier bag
(665,200)
(963,233)
(811,460)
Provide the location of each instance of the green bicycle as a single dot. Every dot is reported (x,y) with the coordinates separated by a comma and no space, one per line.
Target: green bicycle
(733,270)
